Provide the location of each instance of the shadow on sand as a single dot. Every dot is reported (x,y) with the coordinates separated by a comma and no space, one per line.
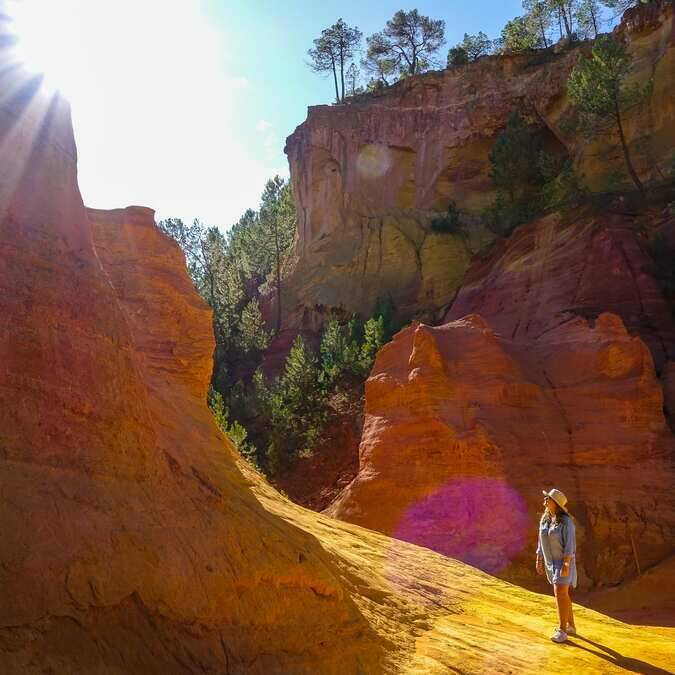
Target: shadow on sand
(611,656)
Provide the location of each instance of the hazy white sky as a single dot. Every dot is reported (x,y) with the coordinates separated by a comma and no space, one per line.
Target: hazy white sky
(156,105)
(184,105)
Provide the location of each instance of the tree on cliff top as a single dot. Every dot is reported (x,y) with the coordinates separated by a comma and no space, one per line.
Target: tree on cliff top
(597,89)
(378,63)
(332,51)
(589,18)
(472,47)
(620,6)
(409,40)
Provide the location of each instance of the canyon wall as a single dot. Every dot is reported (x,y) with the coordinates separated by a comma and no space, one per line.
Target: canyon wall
(131,541)
(542,376)
(368,175)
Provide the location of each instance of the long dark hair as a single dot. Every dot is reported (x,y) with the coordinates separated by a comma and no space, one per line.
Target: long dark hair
(560,514)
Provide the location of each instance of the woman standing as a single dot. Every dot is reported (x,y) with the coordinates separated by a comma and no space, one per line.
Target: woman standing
(556,555)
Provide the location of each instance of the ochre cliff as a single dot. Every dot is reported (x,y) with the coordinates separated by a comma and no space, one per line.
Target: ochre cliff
(542,376)
(130,540)
(368,176)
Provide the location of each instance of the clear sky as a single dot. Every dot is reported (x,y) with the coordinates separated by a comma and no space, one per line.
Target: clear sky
(184,105)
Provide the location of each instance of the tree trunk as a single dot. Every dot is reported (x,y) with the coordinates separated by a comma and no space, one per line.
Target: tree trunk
(543,33)
(342,73)
(277,254)
(626,152)
(568,28)
(595,22)
(337,93)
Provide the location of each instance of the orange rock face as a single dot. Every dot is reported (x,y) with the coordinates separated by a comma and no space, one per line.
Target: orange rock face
(530,384)
(368,176)
(131,542)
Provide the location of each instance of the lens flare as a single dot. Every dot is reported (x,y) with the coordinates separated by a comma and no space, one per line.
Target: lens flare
(48,34)
(373,161)
(481,521)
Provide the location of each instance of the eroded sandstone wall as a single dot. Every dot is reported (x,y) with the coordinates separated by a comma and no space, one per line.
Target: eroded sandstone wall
(368,176)
(130,541)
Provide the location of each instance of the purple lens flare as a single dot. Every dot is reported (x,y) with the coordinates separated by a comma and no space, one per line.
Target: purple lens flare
(480,521)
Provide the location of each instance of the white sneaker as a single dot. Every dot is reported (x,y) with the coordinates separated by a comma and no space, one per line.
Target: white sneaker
(559,636)
(571,630)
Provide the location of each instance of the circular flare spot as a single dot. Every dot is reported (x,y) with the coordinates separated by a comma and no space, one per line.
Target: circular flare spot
(373,161)
(480,521)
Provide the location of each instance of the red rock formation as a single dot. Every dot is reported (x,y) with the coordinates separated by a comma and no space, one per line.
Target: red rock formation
(576,264)
(131,542)
(465,425)
(367,176)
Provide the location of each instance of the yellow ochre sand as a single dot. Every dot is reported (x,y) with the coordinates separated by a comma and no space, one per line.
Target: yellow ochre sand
(438,615)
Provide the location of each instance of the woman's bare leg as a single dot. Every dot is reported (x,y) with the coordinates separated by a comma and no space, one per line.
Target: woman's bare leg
(570,613)
(562,600)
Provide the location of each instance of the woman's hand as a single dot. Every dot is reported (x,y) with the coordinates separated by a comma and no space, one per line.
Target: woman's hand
(539,566)
(565,569)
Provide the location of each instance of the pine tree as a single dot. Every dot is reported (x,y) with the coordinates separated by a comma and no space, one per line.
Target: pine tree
(332,51)
(297,408)
(253,335)
(597,88)
(409,40)
(373,340)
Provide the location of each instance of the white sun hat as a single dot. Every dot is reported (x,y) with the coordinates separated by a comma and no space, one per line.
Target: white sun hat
(558,497)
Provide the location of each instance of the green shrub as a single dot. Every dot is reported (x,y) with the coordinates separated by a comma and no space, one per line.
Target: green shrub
(457,56)
(234,431)
(449,223)
(565,188)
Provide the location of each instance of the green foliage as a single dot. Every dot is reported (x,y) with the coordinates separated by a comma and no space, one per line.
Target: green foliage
(449,223)
(234,431)
(406,46)
(545,22)
(597,88)
(297,413)
(588,14)
(295,406)
(457,56)
(516,173)
(620,6)
(565,188)
(340,351)
(537,22)
(253,335)
(353,78)
(332,51)
(385,309)
(527,178)
(229,273)
(518,35)
(471,48)
(373,340)
(378,63)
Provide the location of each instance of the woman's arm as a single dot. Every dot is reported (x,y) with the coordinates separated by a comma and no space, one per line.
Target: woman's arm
(539,564)
(569,543)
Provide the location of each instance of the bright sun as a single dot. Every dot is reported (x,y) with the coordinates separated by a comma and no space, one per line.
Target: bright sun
(49,39)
